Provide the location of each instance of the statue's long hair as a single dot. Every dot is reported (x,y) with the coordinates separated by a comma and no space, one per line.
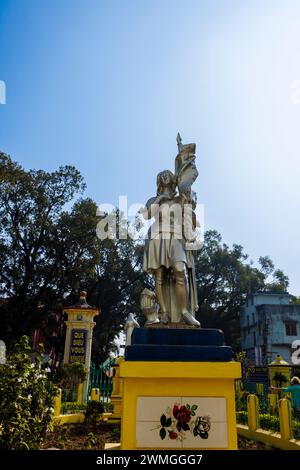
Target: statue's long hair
(161,185)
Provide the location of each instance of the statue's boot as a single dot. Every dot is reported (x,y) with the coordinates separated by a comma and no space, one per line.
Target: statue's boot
(160,280)
(182,298)
(190,320)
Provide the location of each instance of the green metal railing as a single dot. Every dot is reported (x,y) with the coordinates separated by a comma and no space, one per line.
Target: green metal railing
(69,394)
(101,377)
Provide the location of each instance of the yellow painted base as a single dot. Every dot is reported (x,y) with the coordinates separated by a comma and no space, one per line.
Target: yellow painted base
(176,379)
(268,437)
(75,418)
(69,419)
(112,420)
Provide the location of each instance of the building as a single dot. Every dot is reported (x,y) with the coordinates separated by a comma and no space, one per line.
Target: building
(270,324)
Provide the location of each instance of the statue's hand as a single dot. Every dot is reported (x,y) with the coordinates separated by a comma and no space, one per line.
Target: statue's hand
(143,210)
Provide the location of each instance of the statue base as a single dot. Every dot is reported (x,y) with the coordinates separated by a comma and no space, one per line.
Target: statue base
(179,344)
(178,390)
(179,405)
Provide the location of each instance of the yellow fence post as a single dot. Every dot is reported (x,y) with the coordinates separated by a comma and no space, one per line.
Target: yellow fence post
(95,394)
(57,403)
(79,393)
(273,401)
(285,418)
(253,420)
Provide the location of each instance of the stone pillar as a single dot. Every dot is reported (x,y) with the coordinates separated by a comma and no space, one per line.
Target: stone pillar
(278,368)
(78,343)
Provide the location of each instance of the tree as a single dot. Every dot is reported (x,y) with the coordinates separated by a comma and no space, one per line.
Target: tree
(116,291)
(48,254)
(31,255)
(224,277)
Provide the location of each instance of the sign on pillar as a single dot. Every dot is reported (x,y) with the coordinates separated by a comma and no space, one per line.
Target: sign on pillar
(78,344)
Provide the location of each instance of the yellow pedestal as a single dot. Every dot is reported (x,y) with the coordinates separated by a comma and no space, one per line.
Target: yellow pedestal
(179,405)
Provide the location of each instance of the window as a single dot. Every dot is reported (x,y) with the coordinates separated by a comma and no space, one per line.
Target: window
(253,318)
(254,338)
(291,328)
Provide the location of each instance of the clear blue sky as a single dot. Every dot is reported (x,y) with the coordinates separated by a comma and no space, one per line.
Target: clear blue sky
(106,85)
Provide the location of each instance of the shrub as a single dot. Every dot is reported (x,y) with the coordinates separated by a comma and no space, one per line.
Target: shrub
(92,441)
(72,407)
(269,422)
(296,429)
(108,407)
(266,421)
(93,414)
(26,399)
(70,375)
(242,417)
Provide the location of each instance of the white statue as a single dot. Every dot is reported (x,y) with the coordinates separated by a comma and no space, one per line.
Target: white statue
(130,324)
(168,253)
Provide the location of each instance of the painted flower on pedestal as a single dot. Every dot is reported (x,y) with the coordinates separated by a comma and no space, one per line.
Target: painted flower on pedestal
(179,419)
(173,435)
(202,426)
(183,416)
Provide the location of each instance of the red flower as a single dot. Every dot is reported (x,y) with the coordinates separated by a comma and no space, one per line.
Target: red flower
(183,416)
(182,413)
(173,435)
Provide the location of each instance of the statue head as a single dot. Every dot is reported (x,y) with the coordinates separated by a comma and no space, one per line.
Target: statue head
(166,182)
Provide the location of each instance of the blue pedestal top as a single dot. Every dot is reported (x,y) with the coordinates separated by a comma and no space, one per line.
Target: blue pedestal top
(178,344)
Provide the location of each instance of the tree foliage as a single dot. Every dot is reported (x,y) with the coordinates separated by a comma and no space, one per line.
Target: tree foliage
(224,278)
(49,252)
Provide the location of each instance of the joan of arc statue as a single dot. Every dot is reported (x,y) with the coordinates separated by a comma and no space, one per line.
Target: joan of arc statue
(168,254)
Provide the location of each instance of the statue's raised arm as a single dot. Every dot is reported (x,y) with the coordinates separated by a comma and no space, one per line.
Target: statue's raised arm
(185,168)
